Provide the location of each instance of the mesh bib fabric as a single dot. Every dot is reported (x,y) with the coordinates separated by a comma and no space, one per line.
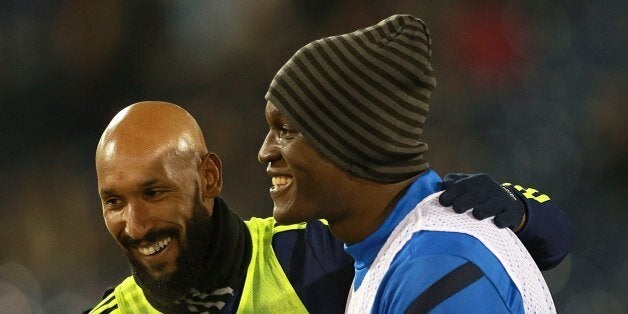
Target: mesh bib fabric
(131,298)
(503,243)
(267,289)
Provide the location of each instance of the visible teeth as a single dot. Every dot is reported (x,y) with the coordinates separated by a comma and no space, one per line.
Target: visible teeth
(155,247)
(280,181)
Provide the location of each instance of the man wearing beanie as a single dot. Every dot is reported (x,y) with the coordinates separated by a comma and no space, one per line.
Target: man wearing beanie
(346,115)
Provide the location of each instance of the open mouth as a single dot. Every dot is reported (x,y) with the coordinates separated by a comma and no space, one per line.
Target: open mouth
(155,247)
(280,182)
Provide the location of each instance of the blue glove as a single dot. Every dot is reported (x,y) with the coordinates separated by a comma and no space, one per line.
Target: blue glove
(485,196)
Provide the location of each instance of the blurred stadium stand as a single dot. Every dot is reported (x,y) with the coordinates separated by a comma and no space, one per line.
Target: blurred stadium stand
(532,92)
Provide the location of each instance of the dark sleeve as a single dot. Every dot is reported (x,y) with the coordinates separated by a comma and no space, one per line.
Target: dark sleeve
(548,233)
(317,267)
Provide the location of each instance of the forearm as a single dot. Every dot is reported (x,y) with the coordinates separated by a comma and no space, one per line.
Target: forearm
(547,233)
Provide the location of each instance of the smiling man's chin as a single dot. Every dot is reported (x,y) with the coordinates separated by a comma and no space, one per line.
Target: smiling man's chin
(289,217)
(283,215)
(161,285)
(166,278)
(155,272)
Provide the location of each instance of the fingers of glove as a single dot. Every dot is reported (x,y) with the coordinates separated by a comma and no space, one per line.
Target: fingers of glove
(468,181)
(454,189)
(451,178)
(508,218)
(471,198)
(484,180)
(492,207)
(447,198)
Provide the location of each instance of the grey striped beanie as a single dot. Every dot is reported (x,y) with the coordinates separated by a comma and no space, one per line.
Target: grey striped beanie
(362,98)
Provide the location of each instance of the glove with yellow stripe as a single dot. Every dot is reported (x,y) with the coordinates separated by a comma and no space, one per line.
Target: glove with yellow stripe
(486,197)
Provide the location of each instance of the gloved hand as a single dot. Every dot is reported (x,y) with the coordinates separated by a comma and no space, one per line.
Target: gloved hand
(485,196)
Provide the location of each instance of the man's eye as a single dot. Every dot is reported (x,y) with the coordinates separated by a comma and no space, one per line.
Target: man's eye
(112,201)
(286,132)
(154,193)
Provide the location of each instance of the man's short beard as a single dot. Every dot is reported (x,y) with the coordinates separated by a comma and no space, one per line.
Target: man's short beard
(194,248)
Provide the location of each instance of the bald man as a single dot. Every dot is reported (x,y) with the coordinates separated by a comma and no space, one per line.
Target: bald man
(158,185)
(189,252)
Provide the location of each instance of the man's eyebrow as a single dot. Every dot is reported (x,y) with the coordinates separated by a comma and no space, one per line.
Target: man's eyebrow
(278,119)
(143,184)
(149,182)
(105,192)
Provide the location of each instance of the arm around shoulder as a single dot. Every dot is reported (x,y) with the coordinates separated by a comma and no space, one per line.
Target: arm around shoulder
(548,234)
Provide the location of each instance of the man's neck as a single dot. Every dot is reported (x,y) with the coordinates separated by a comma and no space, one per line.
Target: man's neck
(368,208)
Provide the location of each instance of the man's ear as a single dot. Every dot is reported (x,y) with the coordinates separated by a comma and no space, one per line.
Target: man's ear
(211,171)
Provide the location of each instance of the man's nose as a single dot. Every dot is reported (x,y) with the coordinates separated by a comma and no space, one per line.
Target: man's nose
(268,152)
(139,220)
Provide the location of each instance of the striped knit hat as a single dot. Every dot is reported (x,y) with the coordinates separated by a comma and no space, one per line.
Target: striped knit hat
(362,98)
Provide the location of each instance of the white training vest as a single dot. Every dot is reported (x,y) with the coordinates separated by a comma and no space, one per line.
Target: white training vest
(430,215)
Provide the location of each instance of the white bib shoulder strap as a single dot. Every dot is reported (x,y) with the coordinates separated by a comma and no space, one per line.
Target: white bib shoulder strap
(430,215)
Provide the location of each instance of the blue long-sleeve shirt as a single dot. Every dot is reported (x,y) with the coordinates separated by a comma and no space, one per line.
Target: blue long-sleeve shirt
(430,257)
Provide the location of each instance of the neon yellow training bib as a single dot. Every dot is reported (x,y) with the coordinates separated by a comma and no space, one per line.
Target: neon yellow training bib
(266,288)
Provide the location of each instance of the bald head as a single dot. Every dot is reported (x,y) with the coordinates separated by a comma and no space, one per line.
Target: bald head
(156,142)
(152,127)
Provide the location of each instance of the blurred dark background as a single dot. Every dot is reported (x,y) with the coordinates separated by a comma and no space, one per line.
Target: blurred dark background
(531,92)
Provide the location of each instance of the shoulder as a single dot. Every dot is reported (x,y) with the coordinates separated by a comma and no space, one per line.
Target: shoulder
(449,270)
(108,304)
(434,249)
(309,245)
(316,265)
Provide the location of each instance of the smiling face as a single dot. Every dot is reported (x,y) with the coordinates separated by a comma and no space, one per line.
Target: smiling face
(305,184)
(146,206)
(157,186)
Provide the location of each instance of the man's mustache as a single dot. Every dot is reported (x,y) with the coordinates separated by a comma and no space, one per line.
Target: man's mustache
(151,236)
